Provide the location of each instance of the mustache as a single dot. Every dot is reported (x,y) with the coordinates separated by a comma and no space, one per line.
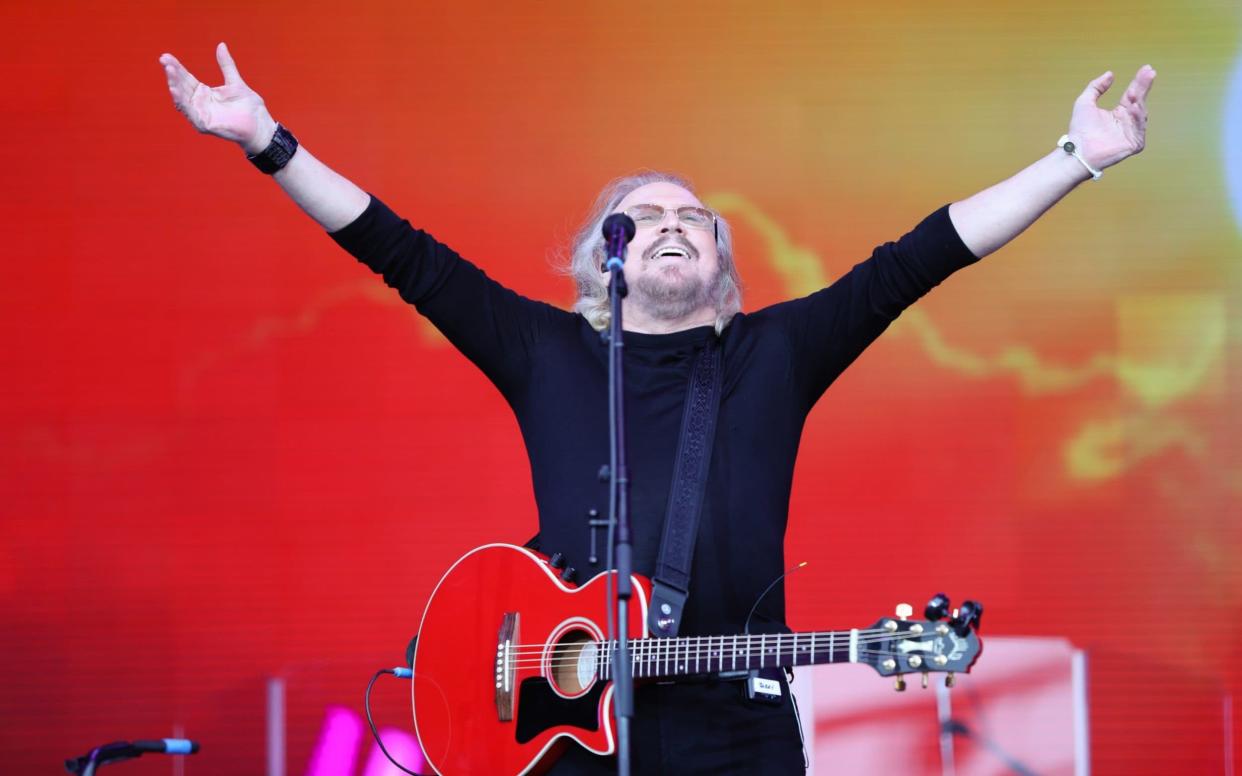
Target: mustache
(667,240)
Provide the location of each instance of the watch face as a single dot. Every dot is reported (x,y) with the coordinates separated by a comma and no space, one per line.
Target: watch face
(278,152)
(285,142)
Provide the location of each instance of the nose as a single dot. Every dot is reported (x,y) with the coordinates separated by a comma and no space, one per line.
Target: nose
(676,226)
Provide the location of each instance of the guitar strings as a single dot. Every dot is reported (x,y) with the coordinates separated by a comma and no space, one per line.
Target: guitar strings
(696,654)
(671,645)
(839,637)
(682,657)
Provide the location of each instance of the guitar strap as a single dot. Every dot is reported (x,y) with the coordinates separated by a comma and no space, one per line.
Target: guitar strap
(671,582)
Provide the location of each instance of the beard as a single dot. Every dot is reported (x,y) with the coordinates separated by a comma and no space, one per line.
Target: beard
(671,296)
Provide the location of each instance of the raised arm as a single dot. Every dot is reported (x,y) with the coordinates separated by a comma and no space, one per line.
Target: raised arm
(996,215)
(236,112)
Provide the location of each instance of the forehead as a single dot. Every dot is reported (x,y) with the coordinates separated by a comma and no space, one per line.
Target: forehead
(659,193)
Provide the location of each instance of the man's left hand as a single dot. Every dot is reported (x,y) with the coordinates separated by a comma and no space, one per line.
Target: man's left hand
(1106,137)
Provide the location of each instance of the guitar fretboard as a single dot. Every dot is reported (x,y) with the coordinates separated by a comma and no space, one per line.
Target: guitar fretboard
(692,655)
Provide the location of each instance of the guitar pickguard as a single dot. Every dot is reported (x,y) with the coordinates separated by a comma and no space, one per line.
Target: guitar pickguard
(540,708)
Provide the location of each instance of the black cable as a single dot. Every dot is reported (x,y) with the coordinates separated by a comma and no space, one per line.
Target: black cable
(366,702)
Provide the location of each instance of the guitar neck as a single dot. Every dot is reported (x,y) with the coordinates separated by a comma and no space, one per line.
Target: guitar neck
(691,655)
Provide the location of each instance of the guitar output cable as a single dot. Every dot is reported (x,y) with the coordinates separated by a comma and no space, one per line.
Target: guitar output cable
(400,672)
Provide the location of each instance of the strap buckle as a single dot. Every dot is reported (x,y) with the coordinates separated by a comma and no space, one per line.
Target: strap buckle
(664,614)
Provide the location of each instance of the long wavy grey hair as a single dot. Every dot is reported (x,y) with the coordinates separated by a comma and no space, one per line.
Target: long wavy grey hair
(587,254)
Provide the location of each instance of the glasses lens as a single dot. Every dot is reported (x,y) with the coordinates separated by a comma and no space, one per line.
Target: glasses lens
(695,216)
(646,215)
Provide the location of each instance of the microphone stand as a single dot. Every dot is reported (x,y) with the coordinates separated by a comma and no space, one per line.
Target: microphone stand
(618,502)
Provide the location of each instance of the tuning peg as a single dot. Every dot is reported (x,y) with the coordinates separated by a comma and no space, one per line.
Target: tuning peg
(900,683)
(924,679)
(937,608)
(966,617)
(557,560)
(904,611)
(949,680)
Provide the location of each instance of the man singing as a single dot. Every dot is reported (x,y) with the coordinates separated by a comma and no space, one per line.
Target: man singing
(552,368)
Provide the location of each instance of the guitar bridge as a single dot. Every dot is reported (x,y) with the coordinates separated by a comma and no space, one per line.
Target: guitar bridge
(506,665)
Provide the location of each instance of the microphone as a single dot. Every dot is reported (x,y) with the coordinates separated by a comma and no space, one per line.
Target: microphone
(167,746)
(618,230)
(127,750)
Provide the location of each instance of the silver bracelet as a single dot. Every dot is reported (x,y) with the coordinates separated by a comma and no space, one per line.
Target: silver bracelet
(1067,145)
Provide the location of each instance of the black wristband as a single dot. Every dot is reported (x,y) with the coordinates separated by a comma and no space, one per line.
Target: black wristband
(278,152)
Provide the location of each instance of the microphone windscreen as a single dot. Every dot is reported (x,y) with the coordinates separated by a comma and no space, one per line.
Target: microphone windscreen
(619,222)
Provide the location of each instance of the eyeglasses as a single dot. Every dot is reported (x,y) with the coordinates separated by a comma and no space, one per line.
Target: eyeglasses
(653,215)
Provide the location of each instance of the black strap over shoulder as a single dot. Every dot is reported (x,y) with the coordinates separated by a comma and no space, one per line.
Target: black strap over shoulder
(685,498)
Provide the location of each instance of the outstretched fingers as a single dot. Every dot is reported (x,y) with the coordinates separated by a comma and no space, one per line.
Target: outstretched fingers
(181,84)
(1138,89)
(1096,89)
(227,66)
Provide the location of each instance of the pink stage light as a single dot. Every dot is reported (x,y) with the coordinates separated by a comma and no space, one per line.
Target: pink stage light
(403,747)
(337,748)
(336,751)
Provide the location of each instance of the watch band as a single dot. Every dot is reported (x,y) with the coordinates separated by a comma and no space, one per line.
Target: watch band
(278,152)
(1067,145)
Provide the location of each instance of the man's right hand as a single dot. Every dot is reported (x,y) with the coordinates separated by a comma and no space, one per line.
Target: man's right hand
(233,111)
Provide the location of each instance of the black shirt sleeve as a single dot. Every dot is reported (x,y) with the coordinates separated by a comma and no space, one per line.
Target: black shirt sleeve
(829,329)
(494,327)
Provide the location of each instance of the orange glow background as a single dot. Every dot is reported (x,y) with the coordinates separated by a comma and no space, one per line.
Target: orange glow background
(227,452)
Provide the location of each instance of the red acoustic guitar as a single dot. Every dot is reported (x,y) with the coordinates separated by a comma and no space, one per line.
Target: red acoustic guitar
(512,665)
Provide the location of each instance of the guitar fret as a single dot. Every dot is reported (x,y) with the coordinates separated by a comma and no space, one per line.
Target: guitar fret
(696,655)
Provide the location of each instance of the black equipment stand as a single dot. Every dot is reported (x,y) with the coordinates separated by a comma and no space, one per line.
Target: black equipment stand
(618,231)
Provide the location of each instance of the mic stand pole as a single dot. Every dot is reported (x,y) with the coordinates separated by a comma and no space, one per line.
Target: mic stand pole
(623,680)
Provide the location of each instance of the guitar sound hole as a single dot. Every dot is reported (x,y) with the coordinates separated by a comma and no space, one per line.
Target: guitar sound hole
(573,661)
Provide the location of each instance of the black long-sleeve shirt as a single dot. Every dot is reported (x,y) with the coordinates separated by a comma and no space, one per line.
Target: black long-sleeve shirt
(551,367)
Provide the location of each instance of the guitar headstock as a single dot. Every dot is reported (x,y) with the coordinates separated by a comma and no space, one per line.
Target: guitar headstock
(941,643)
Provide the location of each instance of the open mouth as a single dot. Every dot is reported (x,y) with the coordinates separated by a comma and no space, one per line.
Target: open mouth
(672,252)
